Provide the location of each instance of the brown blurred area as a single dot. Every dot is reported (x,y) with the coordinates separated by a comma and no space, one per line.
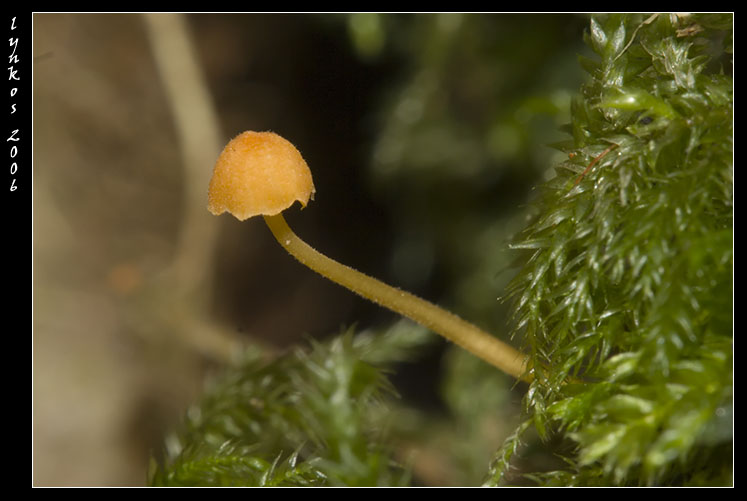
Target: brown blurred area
(138,291)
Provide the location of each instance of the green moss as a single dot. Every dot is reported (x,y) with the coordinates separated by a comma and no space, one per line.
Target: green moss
(311,417)
(628,284)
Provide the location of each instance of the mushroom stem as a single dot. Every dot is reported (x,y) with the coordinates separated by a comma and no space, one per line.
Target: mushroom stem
(453,328)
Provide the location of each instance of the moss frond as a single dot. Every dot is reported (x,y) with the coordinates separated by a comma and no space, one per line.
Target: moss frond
(628,283)
(312,417)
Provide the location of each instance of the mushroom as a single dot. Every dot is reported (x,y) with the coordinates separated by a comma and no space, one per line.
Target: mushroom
(261,173)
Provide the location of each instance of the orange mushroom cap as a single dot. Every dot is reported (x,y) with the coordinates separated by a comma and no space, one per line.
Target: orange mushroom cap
(259,173)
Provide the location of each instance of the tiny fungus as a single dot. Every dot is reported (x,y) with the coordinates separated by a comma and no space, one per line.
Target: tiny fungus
(260,173)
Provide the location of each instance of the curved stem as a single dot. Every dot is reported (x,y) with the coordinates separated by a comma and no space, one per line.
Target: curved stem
(461,332)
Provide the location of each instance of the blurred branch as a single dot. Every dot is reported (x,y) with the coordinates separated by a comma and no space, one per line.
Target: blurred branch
(199,136)
(187,284)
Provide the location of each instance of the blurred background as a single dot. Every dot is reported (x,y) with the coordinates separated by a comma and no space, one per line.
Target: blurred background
(425,134)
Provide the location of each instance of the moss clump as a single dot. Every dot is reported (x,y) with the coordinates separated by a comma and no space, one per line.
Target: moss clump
(628,284)
(312,417)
